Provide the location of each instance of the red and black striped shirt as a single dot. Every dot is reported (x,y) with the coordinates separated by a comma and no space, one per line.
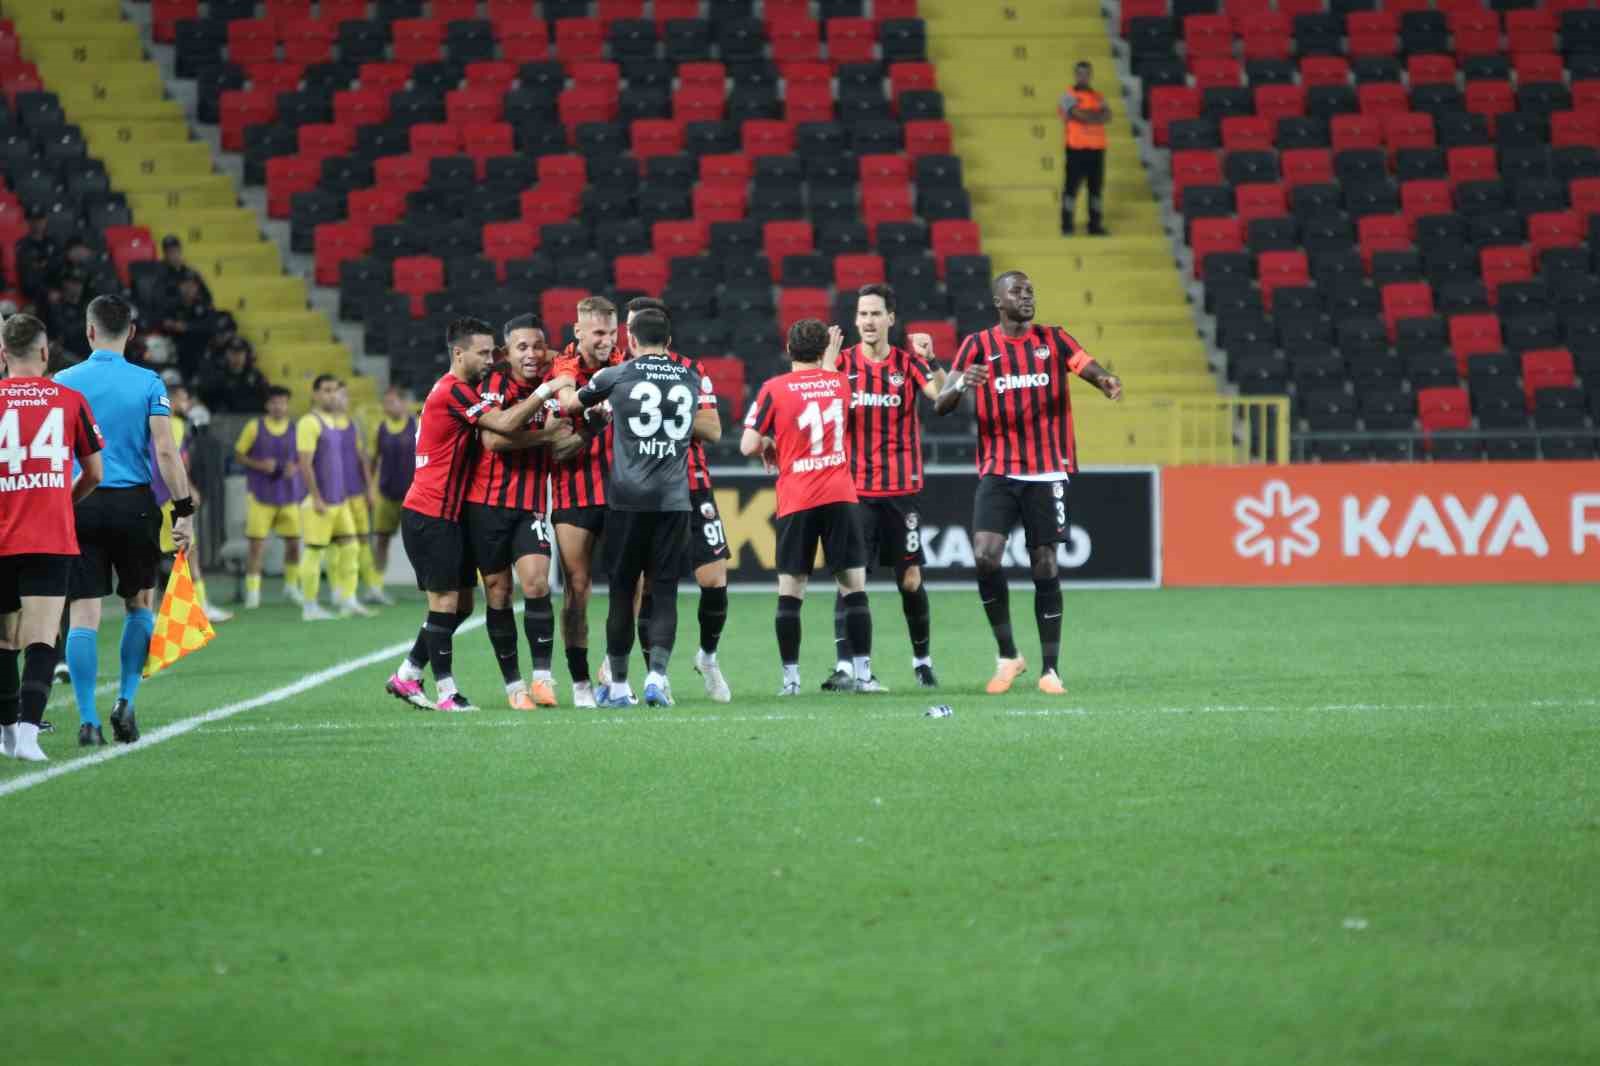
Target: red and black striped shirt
(581,480)
(515,479)
(699,472)
(1024,409)
(447,446)
(885,429)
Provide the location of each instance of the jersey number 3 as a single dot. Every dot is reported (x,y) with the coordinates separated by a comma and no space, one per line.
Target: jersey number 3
(650,418)
(49,444)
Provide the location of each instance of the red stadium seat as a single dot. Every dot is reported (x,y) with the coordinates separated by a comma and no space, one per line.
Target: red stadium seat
(761,136)
(1431,70)
(886,201)
(808,103)
(559,308)
(596,74)
(416,276)
(274,77)
(1324,70)
(252,40)
(287,175)
(1572,128)
(417,40)
(852,40)
(334,243)
(612,10)
(854,271)
(1472,163)
(1382,98)
(913,77)
(795,304)
(242,108)
(667,10)
(642,273)
(1584,194)
(1242,13)
(576,105)
(1356,131)
(679,238)
(928,136)
(309,40)
(1586,94)
(453,10)
(1530,31)
(284,11)
(1131,9)
(494,74)
(793,37)
(1300,7)
(703,75)
(1241,133)
(733,166)
(1216,72)
(504,241)
(1400,7)
(407,173)
(779,239)
(1169,104)
(1468,16)
(1538,66)
(1306,166)
(523,38)
(385,78)
(699,103)
(1413,129)
(1209,235)
(360,107)
(542,206)
(1474,335)
(1555,229)
(805,73)
(1369,43)
(1443,408)
(1276,270)
(1279,101)
(656,136)
(466,106)
(1382,233)
(1546,368)
(1426,197)
(1207,35)
(880,169)
(1260,201)
(378,205)
(1372,22)
(337,11)
(566,170)
(486,140)
(580,40)
(1194,167)
(431,139)
(1268,40)
(1490,98)
(719,201)
(954,236)
(1503,263)
(165,16)
(727,374)
(1406,299)
(1476,41)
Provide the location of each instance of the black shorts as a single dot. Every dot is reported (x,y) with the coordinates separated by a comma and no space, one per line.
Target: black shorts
(119,530)
(499,536)
(592,519)
(836,526)
(439,552)
(33,575)
(708,541)
(892,529)
(1040,507)
(654,543)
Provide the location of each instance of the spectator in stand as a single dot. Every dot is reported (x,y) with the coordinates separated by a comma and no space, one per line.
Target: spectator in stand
(66,316)
(224,329)
(178,270)
(38,260)
(235,386)
(1086,114)
(189,322)
(78,258)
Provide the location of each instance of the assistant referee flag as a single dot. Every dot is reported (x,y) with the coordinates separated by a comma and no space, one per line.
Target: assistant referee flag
(181,624)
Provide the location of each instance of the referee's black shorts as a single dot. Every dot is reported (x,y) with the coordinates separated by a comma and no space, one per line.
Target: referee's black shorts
(439,552)
(119,534)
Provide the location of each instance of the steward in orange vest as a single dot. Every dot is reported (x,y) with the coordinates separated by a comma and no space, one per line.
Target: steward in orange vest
(1086,115)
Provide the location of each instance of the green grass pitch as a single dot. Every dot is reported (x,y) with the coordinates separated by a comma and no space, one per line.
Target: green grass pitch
(1313,827)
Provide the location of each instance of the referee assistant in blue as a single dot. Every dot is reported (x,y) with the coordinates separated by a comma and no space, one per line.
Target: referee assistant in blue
(119,525)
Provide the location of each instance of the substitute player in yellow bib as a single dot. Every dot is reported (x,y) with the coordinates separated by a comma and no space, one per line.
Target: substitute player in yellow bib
(358,467)
(325,518)
(393,448)
(274,491)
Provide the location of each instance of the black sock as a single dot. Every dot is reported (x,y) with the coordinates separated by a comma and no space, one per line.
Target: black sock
(713,616)
(858,624)
(1047,612)
(996,597)
(440,629)
(619,633)
(663,623)
(10,686)
(789,630)
(915,605)
(38,663)
(539,625)
(502,626)
(418,655)
(578,665)
(841,631)
(645,606)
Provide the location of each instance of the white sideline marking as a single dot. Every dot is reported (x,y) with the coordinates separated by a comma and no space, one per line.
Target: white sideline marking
(217,714)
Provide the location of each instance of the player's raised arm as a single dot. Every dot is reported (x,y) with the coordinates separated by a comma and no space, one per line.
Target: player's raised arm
(598,390)
(922,347)
(830,355)
(1083,365)
(968,372)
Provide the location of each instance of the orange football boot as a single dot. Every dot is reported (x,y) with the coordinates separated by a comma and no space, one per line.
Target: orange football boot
(1006,671)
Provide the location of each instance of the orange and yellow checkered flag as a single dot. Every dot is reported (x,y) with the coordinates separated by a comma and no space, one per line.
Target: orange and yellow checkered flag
(181,624)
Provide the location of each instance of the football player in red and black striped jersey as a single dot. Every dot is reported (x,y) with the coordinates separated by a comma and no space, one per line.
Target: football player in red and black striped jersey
(1017,373)
(708,549)
(507,511)
(578,484)
(885,435)
(453,416)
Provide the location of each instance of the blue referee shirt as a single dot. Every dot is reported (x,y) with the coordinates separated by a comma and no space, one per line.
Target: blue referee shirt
(122,397)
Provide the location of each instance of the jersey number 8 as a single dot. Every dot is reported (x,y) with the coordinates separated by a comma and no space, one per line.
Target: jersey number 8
(650,419)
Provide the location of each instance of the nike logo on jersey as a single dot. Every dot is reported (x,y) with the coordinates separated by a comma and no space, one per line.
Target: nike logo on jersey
(992,358)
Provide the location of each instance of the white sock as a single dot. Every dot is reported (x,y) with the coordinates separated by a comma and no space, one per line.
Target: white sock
(27,738)
(653,678)
(513,687)
(543,675)
(863,665)
(8,740)
(620,690)
(791,673)
(408,672)
(446,687)
(842,666)
(708,657)
(922,660)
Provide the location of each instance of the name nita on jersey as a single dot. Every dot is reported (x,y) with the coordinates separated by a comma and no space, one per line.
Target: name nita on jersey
(653,399)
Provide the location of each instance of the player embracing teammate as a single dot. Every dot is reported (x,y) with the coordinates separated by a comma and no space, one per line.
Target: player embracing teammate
(1017,372)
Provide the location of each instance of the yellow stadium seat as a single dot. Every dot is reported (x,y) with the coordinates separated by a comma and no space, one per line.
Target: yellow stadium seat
(212,190)
(243,293)
(146,132)
(151,168)
(284,327)
(34,16)
(212,224)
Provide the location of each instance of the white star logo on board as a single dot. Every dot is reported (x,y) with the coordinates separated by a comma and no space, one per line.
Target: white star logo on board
(1290,534)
